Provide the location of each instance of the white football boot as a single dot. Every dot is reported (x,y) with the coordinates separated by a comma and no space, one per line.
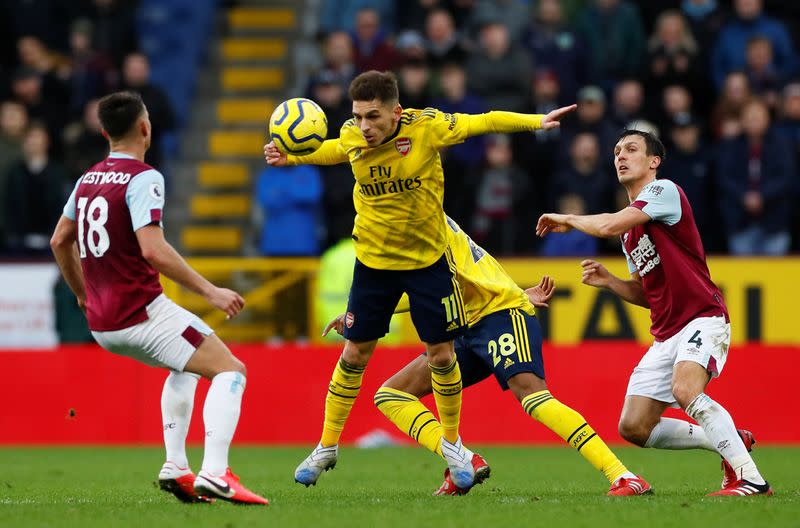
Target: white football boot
(459,460)
(321,459)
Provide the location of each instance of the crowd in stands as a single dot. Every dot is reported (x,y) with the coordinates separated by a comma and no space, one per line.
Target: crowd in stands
(57,58)
(719,82)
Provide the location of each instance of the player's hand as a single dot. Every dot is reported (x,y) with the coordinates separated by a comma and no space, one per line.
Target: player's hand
(82,304)
(226,300)
(337,324)
(552,222)
(595,274)
(552,120)
(274,157)
(542,292)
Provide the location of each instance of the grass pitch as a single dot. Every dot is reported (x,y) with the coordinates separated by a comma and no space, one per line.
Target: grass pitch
(388,487)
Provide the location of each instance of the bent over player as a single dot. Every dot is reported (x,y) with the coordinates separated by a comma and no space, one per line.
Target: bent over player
(400,237)
(504,339)
(110,247)
(690,323)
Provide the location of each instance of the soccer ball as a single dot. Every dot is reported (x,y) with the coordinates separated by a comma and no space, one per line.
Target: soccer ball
(298,126)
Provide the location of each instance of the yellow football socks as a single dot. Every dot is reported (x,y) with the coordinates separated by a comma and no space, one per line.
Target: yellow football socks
(572,427)
(446,383)
(410,416)
(342,392)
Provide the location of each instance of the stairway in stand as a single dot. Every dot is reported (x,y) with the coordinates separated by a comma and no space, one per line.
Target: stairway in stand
(247,74)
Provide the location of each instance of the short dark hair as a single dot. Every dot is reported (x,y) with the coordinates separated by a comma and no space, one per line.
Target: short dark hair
(375,85)
(653,145)
(119,111)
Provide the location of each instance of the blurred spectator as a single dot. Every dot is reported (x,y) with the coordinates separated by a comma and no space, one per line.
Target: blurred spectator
(414,83)
(114,28)
(789,128)
(555,47)
(373,51)
(136,77)
(585,176)
(676,101)
(590,118)
(337,55)
(755,172)
(330,95)
(92,73)
(27,89)
(290,198)
(546,94)
(340,15)
(765,81)
(706,19)
(34,195)
(689,165)
(537,153)
(672,58)
(13,122)
(503,188)
(463,159)
(337,200)
(730,51)
(443,41)
(410,45)
(513,14)
(615,39)
(52,68)
(628,102)
(725,120)
(572,243)
(84,142)
(499,72)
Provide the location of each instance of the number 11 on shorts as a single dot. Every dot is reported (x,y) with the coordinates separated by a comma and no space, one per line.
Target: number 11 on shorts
(450,308)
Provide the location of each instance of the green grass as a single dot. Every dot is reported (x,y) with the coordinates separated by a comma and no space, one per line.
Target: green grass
(536,487)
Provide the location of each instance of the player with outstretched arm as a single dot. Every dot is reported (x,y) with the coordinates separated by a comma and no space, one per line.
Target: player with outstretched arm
(690,323)
(401,247)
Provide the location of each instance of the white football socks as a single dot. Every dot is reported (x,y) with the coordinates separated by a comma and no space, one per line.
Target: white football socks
(721,431)
(177,402)
(221,415)
(670,433)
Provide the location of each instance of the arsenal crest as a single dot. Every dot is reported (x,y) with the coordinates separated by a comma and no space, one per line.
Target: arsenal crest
(349,319)
(403,145)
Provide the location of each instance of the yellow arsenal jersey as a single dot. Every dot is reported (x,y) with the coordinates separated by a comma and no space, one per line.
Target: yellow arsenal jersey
(399,185)
(485,286)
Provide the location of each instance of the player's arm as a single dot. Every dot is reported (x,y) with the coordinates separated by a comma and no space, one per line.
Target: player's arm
(330,153)
(65,251)
(449,129)
(632,291)
(605,225)
(167,261)
(145,200)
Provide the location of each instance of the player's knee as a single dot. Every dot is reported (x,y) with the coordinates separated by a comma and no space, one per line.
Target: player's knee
(684,393)
(526,383)
(633,432)
(440,354)
(238,366)
(357,354)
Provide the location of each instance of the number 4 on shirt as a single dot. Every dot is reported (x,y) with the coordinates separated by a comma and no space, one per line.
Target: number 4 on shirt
(695,340)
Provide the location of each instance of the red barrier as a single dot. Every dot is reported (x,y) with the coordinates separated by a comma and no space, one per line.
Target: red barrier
(116,400)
